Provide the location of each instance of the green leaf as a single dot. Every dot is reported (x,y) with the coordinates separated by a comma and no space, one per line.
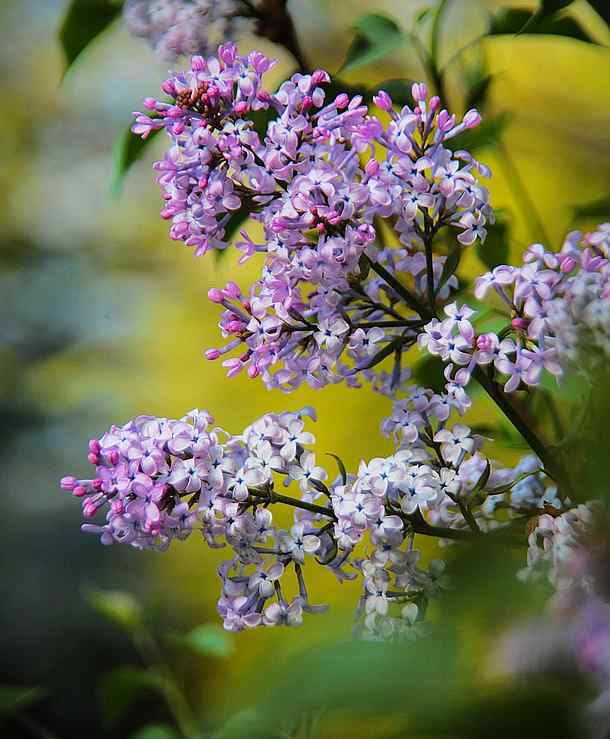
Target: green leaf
(449,268)
(128,148)
(116,606)
(119,688)
(340,465)
(15,698)
(496,248)
(516,21)
(595,209)
(155,731)
(376,37)
(478,87)
(552,6)
(398,89)
(488,133)
(602,8)
(83,22)
(428,372)
(208,640)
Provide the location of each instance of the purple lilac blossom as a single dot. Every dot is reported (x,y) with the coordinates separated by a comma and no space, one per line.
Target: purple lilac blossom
(312,180)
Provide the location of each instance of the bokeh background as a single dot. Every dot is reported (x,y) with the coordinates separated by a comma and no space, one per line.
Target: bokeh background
(103,317)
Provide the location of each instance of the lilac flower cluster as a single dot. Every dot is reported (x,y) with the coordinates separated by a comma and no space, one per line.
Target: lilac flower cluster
(159,479)
(322,310)
(558,302)
(177,28)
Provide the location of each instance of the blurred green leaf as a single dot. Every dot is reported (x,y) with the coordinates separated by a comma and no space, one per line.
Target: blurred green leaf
(15,698)
(602,8)
(119,688)
(478,87)
(83,21)
(398,89)
(116,606)
(488,133)
(496,248)
(515,21)
(450,267)
(128,148)
(155,731)
(552,6)
(595,209)
(208,640)
(376,36)
(428,372)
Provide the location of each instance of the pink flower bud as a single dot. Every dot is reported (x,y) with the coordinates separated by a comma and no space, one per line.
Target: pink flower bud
(253,371)
(472,118)
(114,457)
(97,484)
(117,507)
(234,327)
(241,107)
(212,354)
(168,88)
(232,290)
(566,263)
(215,295)
(79,491)
(519,323)
(93,458)
(150,103)
(263,96)
(94,446)
(435,103)
(306,103)
(68,483)
(89,510)
(372,167)
(341,101)
(320,77)
(445,122)
(383,100)
(419,91)
(197,64)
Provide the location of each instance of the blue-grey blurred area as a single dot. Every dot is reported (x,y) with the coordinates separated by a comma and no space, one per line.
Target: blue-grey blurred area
(102,317)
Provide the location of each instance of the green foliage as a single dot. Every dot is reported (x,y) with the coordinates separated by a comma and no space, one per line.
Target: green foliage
(428,372)
(450,267)
(128,148)
(340,465)
(376,37)
(487,134)
(496,248)
(208,640)
(119,688)
(602,8)
(596,209)
(118,607)
(15,698)
(83,22)
(514,21)
(155,731)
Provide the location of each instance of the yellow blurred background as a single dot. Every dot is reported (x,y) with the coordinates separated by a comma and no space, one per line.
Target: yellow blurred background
(106,318)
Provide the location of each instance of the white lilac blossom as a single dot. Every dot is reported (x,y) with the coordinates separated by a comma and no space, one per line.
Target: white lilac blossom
(157,480)
(177,28)
(558,303)
(323,310)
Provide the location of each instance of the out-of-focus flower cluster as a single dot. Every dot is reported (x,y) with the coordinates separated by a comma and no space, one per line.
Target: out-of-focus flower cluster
(323,309)
(558,303)
(570,551)
(177,28)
